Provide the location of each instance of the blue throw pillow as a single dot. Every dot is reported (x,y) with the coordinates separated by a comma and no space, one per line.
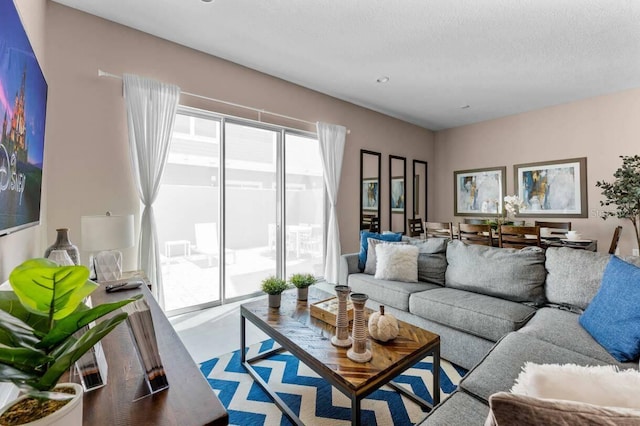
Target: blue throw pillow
(364,245)
(613,316)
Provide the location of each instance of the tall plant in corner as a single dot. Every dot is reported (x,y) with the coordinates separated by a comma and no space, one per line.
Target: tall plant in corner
(624,193)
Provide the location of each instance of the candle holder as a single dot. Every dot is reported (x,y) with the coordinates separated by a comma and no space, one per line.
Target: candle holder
(359,352)
(342,337)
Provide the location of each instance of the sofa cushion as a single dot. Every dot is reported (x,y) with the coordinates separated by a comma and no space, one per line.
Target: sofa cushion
(432,260)
(561,328)
(390,293)
(511,409)
(397,262)
(458,409)
(613,316)
(598,385)
(477,314)
(364,244)
(500,368)
(573,276)
(516,275)
(370,265)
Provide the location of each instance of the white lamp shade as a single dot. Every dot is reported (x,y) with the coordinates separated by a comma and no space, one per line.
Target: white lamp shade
(107,232)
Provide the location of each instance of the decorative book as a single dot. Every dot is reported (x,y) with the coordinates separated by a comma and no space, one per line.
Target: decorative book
(91,368)
(327,310)
(144,337)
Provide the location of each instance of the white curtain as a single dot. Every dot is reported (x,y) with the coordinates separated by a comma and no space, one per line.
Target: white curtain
(151,111)
(332,141)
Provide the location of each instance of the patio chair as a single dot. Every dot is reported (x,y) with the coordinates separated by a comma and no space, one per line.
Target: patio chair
(207,242)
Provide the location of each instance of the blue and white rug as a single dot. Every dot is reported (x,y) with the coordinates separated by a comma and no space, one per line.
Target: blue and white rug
(313,399)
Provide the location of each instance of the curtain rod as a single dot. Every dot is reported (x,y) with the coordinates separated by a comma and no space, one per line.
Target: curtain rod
(259,111)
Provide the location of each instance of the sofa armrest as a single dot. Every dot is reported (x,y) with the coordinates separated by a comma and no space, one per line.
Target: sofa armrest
(348,265)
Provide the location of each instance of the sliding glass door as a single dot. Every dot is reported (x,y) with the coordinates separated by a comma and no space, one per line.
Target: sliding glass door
(239,201)
(187,214)
(304,200)
(250,207)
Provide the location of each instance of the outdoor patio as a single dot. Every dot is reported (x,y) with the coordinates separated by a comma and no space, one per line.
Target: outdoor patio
(192,278)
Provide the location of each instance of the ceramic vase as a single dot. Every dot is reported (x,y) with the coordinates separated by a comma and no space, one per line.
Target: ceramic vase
(63,243)
(342,337)
(61,257)
(359,352)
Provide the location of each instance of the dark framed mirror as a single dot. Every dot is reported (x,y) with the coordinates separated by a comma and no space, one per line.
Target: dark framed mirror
(420,191)
(397,194)
(369,202)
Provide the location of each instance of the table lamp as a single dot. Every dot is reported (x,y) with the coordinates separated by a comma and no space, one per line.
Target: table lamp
(106,234)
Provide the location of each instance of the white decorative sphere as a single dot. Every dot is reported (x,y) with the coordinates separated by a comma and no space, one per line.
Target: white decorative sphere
(383,327)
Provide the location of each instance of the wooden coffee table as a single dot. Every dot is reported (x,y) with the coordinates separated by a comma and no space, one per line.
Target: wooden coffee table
(309,340)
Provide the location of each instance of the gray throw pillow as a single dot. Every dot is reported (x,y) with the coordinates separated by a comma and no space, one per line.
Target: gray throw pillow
(516,275)
(370,266)
(573,276)
(432,259)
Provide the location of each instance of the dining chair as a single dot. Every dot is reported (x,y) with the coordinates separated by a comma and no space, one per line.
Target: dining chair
(518,236)
(475,234)
(473,221)
(415,227)
(438,229)
(556,227)
(615,239)
(374,224)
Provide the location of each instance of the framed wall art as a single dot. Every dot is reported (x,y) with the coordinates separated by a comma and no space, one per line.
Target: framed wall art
(553,188)
(479,192)
(397,194)
(370,194)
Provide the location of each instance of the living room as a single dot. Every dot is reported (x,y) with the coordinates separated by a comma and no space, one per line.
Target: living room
(87,156)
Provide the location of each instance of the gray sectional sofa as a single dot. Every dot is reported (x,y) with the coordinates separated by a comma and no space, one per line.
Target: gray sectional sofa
(494,309)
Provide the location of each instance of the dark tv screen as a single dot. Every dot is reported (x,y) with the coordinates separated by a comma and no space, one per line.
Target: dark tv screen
(23,101)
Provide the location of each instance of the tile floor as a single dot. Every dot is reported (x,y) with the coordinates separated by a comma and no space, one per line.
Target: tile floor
(216,331)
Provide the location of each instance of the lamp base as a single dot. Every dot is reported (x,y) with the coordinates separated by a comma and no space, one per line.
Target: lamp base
(108,265)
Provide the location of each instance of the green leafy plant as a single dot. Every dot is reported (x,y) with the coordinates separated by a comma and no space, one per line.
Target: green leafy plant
(624,193)
(274,285)
(302,280)
(39,321)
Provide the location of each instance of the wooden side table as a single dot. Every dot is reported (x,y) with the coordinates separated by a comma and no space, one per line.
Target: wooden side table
(189,401)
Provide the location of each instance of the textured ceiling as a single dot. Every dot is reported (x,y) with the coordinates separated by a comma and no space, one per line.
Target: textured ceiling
(500,57)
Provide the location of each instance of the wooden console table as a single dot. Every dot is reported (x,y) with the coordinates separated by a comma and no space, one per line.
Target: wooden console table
(189,399)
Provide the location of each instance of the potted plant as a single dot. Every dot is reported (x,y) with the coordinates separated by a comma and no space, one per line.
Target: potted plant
(302,283)
(42,334)
(274,287)
(624,193)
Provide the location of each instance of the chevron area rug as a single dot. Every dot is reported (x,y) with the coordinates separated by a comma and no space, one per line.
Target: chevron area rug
(312,398)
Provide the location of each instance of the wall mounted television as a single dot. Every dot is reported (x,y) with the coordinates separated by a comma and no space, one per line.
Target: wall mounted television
(23,102)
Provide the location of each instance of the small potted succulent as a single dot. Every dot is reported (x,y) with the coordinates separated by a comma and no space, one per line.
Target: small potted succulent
(302,283)
(274,287)
(42,334)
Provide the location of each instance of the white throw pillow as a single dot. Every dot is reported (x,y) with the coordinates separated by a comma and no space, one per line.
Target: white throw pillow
(372,243)
(397,262)
(601,385)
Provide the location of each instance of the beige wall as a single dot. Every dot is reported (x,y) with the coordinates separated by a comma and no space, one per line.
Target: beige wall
(27,243)
(87,153)
(600,129)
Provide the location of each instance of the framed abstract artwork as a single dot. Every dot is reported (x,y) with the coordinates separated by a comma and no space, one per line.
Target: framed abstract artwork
(553,188)
(479,192)
(397,194)
(370,194)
